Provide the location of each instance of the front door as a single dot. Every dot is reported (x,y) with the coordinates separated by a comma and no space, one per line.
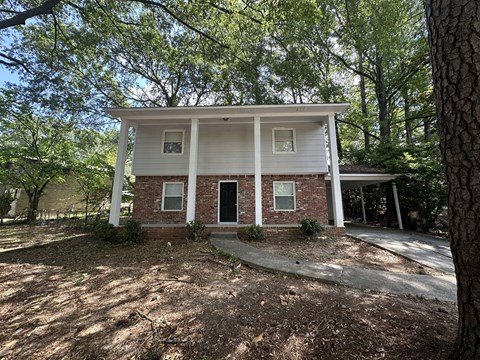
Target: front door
(228,202)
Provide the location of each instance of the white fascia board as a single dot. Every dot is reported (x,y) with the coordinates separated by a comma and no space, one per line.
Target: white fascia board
(206,112)
(366,177)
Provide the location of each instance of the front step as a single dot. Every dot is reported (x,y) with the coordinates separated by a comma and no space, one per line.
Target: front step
(223,235)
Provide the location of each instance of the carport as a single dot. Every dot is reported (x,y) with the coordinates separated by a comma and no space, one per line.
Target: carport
(359,176)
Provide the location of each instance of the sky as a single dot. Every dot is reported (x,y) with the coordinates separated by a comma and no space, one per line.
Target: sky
(7,76)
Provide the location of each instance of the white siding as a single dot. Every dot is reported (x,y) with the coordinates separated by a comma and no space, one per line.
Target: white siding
(148,158)
(229,149)
(226,149)
(310,156)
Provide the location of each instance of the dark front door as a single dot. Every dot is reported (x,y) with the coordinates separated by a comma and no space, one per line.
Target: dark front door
(228,202)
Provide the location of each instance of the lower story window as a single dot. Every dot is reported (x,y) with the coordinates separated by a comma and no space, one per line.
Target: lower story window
(284,195)
(172,196)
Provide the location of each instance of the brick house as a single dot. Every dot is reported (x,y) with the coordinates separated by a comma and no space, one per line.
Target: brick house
(231,166)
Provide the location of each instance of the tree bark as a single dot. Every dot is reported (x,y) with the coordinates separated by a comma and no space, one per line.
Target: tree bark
(406,113)
(363,100)
(33,200)
(339,140)
(454,36)
(426,130)
(381,93)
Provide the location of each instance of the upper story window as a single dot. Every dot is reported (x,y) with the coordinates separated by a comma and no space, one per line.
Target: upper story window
(284,141)
(173,142)
(172,196)
(284,195)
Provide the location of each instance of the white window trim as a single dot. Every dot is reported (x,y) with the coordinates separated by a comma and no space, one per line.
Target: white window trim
(294,141)
(163,195)
(218,202)
(294,196)
(163,141)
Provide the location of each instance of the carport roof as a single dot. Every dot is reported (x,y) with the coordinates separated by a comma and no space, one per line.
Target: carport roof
(354,176)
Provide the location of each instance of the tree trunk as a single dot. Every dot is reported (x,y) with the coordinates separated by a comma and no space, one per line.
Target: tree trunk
(381,93)
(406,113)
(426,129)
(33,200)
(454,35)
(87,200)
(363,100)
(339,140)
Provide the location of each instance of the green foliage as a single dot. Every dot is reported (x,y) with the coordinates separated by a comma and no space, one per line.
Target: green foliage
(132,232)
(35,149)
(92,169)
(255,232)
(195,230)
(310,227)
(106,232)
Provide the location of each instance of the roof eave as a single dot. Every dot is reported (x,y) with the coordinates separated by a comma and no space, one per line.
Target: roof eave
(200,112)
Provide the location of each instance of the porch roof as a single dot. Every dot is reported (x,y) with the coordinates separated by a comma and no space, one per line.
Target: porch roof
(306,112)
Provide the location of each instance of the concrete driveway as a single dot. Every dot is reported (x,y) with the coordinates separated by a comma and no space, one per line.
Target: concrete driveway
(430,251)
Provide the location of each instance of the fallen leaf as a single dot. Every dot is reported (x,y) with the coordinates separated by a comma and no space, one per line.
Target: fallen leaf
(257,339)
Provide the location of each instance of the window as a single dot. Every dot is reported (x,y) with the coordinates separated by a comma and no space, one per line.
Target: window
(284,141)
(173,142)
(172,197)
(284,195)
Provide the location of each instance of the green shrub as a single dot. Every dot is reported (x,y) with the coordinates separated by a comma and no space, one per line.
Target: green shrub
(195,230)
(132,232)
(255,232)
(310,227)
(104,231)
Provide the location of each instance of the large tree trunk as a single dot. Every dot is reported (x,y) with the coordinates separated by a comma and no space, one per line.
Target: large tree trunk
(454,35)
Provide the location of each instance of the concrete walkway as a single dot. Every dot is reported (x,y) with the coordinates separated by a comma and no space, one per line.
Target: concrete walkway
(427,250)
(429,287)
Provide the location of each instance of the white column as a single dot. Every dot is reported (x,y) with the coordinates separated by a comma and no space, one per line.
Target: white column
(258,170)
(117,189)
(397,206)
(192,171)
(335,174)
(363,205)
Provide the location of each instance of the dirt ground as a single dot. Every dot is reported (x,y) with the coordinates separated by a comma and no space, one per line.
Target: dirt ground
(64,295)
(343,251)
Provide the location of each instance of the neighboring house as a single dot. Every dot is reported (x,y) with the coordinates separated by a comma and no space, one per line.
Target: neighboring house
(61,197)
(231,166)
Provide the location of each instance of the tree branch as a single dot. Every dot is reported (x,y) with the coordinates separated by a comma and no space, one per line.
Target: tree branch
(184,23)
(13,62)
(21,17)
(360,128)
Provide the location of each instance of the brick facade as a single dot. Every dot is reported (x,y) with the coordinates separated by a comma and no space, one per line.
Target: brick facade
(147,200)
(309,189)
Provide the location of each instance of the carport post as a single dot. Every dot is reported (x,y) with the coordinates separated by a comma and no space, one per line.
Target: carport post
(397,206)
(363,205)
(117,189)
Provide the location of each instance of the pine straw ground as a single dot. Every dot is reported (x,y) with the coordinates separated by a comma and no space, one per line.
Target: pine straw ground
(64,295)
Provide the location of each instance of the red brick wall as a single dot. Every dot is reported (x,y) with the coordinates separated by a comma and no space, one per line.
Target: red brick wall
(206,208)
(147,200)
(310,199)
